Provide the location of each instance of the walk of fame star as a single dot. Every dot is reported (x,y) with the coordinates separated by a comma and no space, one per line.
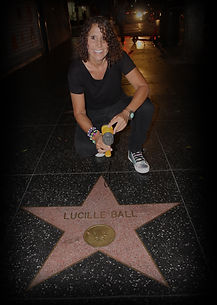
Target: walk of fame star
(100,224)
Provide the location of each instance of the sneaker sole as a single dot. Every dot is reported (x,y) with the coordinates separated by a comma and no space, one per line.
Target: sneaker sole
(99,155)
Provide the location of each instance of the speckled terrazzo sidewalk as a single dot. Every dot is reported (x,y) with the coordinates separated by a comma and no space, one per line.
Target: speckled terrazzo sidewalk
(159,251)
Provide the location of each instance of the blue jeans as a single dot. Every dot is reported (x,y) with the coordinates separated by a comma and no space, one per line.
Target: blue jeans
(139,126)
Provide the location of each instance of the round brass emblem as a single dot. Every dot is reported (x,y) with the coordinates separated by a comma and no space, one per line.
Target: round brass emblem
(99,235)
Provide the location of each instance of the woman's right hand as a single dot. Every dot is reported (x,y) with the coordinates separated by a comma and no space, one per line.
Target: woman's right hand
(100,146)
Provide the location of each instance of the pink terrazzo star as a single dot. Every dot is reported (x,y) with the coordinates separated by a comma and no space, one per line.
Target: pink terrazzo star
(100,207)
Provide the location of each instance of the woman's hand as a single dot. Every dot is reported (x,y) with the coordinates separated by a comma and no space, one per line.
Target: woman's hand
(120,120)
(100,146)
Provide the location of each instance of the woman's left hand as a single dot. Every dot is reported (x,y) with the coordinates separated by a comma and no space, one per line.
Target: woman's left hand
(120,120)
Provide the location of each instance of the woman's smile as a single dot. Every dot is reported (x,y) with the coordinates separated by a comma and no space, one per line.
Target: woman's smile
(98,51)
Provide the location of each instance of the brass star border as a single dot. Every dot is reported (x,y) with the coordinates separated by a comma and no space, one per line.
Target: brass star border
(87,229)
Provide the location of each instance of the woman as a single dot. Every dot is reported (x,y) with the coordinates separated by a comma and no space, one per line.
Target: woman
(97,96)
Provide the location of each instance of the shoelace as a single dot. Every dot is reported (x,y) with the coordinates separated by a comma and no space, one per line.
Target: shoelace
(138,156)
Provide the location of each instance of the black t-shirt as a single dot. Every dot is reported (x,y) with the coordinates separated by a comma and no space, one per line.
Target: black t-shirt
(99,93)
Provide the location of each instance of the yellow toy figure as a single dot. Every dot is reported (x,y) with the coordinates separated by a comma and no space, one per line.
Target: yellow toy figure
(107,137)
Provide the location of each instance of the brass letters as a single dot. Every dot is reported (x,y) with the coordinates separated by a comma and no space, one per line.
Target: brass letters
(99,214)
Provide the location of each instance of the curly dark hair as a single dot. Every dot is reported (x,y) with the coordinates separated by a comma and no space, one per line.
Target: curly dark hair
(114,47)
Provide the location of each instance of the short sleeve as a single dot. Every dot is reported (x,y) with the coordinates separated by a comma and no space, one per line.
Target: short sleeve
(75,78)
(126,63)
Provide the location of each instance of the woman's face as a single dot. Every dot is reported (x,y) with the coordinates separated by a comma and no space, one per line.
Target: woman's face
(96,45)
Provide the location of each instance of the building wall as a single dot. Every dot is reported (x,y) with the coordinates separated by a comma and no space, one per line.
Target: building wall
(29,28)
(57,22)
(21,34)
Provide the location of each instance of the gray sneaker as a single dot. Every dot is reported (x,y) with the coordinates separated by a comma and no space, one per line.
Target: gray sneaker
(139,162)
